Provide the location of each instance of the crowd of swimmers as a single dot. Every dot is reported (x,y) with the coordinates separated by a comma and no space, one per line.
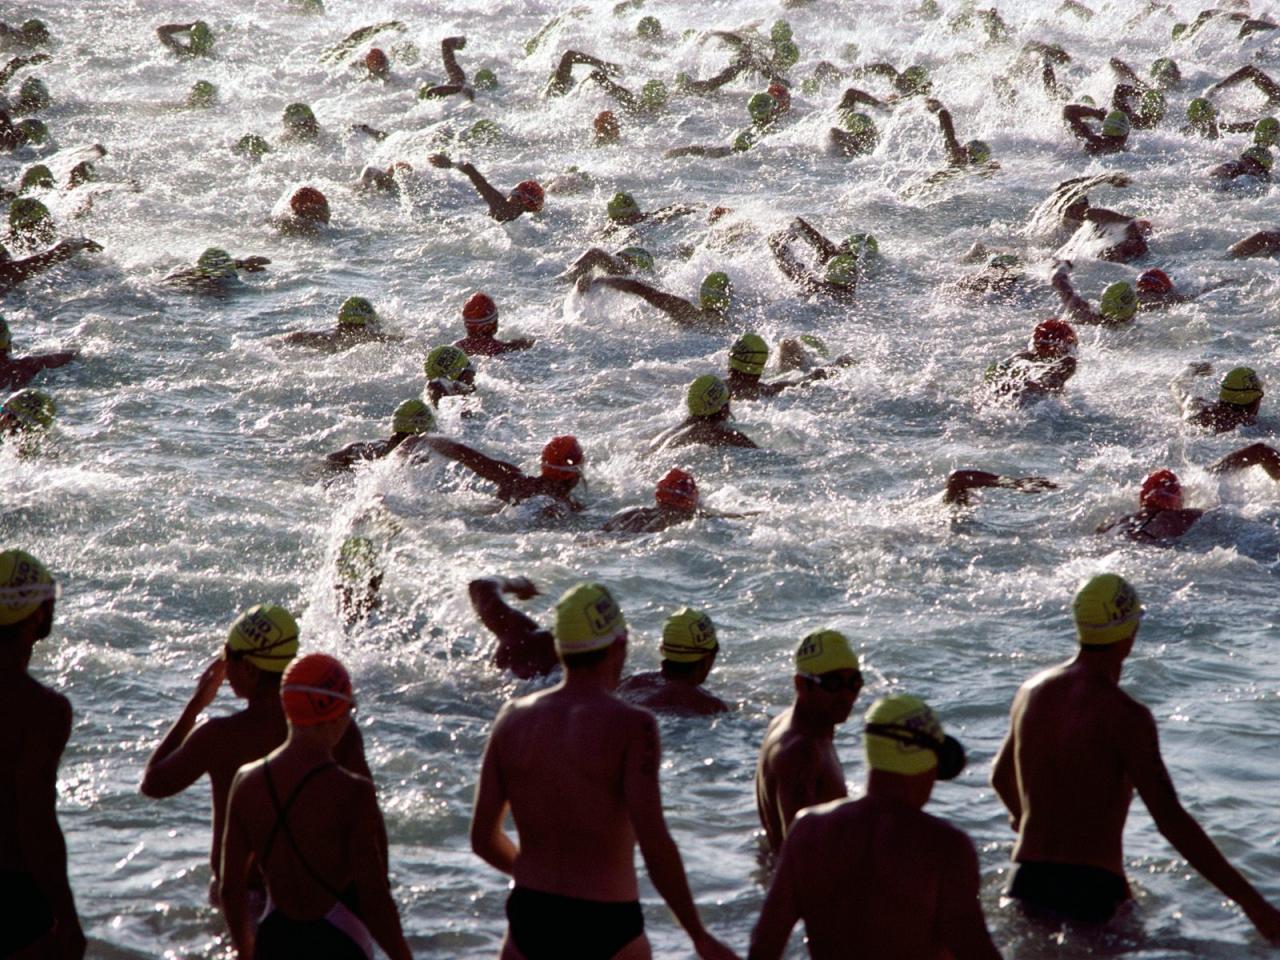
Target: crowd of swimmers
(299,853)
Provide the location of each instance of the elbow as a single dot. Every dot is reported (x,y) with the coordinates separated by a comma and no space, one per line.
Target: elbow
(150,787)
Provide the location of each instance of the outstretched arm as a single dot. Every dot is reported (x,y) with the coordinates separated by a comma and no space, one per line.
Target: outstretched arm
(14,272)
(1075,115)
(620,93)
(1180,388)
(1074,305)
(1256,454)
(562,79)
(497,471)
(1269,88)
(1264,243)
(594,259)
(1124,73)
(451,69)
(677,308)
(168,34)
(960,482)
(339,51)
(853,97)
(788,263)
(500,208)
(806,232)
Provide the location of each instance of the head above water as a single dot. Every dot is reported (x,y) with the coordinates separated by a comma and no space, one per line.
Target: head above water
(216,264)
(1106,611)
(638,257)
(1116,124)
(480,314)
(25,586)
(300,121)
(376,62)
(587,619)
(316,689)
(622,207)
(201,37)
(310,205)
(36,177)
(357,312)
(1161,490)
(1241,387)
(529,195)
(1119,302)
(252,146)
(903,736)
(677,490)
(1201,113)
(762,108)
(707,396)
(202,94)
(28,215)
(1261,156)
(446,363)
(1053,338)
(1154,281)
(653,96)
(749,354)
(716,292)
(266,635)
(413,417)
(977,151)
(1266,132)
(28,411)
(842,270)
(563,459)
(688,636)
(1165,73)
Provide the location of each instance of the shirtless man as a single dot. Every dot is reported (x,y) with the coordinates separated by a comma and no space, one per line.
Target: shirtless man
(798,766)
(707,401)
(38,909)
(18,371)
(877,876)
(1078,746)
(524,648)
(1239,398)
(525,197)
(261,643)
(1160,516)
(688,649)
(579,819)
(333,899)
(561,469)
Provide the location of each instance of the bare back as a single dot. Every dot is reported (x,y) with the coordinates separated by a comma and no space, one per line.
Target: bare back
(34,725)
(655,692)
(794,771)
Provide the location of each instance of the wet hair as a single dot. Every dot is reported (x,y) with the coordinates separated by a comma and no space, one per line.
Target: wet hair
(577,661)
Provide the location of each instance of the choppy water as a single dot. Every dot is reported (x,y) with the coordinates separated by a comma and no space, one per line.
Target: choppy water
(181,489)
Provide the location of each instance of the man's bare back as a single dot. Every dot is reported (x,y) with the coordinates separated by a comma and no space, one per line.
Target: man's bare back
(655,692)
(795,770)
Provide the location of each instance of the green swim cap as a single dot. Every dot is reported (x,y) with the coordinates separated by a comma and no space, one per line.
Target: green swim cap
(977,151)
(780,31)
(34,31)
(1241,386)
(485,79)
(762,108)
(587,619)
(749,354)
(216,264)
(744,141)
(203,93)
(862,245)
(484,132)
(1152,106)
(715,292)
(1178,30)
(1165,73)
(1259,155)
(785,54)
(1266,132)
(688,636)
(201,37)
(892,754)
(33,130)
(33,95)
(357,560)
(36,177)
(817,343)
(914,80)
(1201,112)
(6,336)
(251,145)
(27,214)
(25,583)
(707,396)
(266,635)
(860,125)
(446,362)
(842,270)
(1119,302)
(32,409)
(1086,100)
(300,118)
(1116,124)
(650,28)
(653,95)
(622,206)
(638,257)
(413,416)
(824,651)
(1106,611)
(356,312)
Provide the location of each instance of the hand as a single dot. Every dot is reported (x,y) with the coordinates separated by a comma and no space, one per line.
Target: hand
(208,684)
(1119,180)
(521,587)
(932,105)
(440,160)
(709,948)
(253,264)
(453,43)
(1062,266)
(1029,484)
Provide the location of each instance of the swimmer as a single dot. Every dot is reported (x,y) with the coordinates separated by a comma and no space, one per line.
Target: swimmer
(385,180)
(1118,305)
(376,65)
(911,82)
(1165,74)
(358,322)
(17,372)
(560,470)
(649,102)
(260,645)
(359,578)
(340,51)
(960,483)
(1250,74)
(20,63)
(524,648)
(26,417)
(688,652)
(748,58)
(526,197)
(1239,398)
(14,272)
(1001,274)
(1041,370)
(623,211)
(1144,106)
(214,270)
(842,264)
(1202,121)
(626,261)
(855,137)
(678,501)
(747,358)
(1077,747)
(763,109)
(480,317)
(30,33)
(1113,136)
(411,419)
(1067,211)
(575,890)
(300,124)
(326,881)
(715,298)
(975,154)
(852,870)
(199,41)
(1157,292)
(454,74)
(1255,163)
(1160,516)
(798,766)
(40,912)
(449,374)
(562,77)
(306,214)
(707,401)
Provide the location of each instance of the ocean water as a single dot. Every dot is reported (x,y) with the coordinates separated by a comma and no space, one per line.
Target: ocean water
(181,486)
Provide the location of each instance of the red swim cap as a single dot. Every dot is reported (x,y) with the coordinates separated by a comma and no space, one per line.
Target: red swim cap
(677,489)
(376,62)
(309,204)
(562,459)
(1054,337)
(1144,227)
(315,689)
(529,194)
(1161,491)
(479,311)
(607,127)
(1154,281)
(782,95)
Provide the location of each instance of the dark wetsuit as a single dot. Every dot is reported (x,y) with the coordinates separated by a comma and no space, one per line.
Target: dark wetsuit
(1072,890)
(281,937)
(548,926)
(25,915)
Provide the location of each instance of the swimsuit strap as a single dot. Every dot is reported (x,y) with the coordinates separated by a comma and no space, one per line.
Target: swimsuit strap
(282,824)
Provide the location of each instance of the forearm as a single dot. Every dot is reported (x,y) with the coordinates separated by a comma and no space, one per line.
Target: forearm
(172,741)
(381,916)
(234,897)
(451,68)
(483,187)
(960,482)
(495,848)
(954,153)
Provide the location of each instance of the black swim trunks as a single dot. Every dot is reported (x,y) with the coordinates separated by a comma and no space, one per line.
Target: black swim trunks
(25,915)
(1072,890)
(547,926)
(283,938)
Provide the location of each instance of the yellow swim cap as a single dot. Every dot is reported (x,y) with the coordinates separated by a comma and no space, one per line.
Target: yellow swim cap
(266,636)
(587,618)
(824,651)
(24,585)
(688,636)
(902,735)
(1106,610)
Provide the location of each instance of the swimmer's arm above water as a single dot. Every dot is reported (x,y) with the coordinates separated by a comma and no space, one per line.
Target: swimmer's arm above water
(1269,88)
(1256,454)
(451,69)
(955,153)
(960,482)
(505,622)
(497,471)
(1188,402)
(500,208)
(620,93)
(182,758)
(677,308)
(806,232)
